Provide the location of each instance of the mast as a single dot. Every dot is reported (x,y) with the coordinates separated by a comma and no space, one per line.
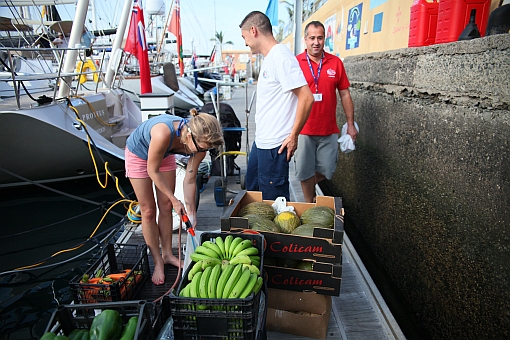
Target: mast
(298,25)
(75,38)
(119,37)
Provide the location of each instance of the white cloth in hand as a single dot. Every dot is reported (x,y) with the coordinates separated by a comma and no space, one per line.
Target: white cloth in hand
(345,140)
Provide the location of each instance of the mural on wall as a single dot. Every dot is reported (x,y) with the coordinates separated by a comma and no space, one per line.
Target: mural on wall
(353,27)
(329,25)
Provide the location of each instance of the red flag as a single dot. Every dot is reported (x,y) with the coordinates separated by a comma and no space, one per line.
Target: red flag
(175,29)
(136,45)
(213,54)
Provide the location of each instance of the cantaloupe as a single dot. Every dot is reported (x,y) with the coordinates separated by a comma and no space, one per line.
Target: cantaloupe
(322,215)
(260,223)
(258,208)
(287,221)
(306,229)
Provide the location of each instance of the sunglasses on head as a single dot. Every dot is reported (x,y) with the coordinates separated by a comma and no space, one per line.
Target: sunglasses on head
(199,149)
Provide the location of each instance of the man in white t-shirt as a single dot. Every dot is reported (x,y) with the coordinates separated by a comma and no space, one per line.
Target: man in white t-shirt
(283,105)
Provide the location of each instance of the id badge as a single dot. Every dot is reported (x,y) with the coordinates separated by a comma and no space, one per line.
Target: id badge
(317,97)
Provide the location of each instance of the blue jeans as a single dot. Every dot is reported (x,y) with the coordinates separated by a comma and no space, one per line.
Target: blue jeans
(268,172)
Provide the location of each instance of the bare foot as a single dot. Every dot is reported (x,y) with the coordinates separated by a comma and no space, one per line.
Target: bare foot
(174,261)
(158,277)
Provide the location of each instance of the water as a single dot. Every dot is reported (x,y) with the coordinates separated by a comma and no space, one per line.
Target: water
(35,224)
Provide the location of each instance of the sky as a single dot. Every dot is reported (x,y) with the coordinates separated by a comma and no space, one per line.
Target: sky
(200,19)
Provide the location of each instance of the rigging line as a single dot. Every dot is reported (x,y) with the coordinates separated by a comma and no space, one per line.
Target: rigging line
(203,34)
(78,198)
(50,225)
(15,271)
(37,264)
(50,189)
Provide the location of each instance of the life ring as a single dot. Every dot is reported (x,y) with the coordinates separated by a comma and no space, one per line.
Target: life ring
(88,64)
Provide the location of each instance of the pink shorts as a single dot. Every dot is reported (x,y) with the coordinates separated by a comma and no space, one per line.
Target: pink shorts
(137,167)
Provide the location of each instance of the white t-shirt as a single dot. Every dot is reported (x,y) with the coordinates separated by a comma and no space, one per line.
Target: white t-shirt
(276,104)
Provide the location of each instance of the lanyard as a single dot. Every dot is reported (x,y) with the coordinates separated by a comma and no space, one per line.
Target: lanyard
(315,79)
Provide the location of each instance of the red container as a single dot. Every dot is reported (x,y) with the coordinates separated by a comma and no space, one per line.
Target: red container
(423,23)
(453,16)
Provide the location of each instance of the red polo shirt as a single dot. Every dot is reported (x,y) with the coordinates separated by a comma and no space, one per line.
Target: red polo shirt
(322,120)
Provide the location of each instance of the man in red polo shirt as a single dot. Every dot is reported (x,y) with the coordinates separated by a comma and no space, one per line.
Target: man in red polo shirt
(317,154)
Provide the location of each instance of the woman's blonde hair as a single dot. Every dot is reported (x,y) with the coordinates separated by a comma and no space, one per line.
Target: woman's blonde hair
(206,129)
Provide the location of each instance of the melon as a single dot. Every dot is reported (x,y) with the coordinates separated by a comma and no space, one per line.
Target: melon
(286,263)
(305,265)
(322,215)
(260,223)
(287,221)
(306,229)
(258,208)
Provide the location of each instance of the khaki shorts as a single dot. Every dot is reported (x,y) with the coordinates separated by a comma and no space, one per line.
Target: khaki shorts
(316,153)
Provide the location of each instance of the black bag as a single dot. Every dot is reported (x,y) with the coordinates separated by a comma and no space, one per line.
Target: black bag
(232,139)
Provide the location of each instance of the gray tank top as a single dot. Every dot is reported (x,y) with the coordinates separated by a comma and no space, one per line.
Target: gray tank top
(139,140)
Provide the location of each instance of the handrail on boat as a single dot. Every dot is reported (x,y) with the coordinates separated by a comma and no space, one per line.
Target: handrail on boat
(57,56)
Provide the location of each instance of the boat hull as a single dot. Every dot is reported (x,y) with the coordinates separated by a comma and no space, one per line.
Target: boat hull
(46,144)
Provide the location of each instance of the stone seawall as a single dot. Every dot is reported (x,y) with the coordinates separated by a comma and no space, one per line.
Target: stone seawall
(428,186)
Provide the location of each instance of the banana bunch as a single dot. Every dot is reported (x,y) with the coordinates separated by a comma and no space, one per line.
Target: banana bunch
(224,269)
(229,251)
(214,282)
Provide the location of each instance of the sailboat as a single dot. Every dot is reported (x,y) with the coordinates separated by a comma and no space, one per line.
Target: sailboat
(69,135)
(167,81)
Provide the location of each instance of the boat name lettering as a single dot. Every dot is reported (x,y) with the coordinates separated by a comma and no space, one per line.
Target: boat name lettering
(91,115)
(294,248)
(101,129)
(279,280)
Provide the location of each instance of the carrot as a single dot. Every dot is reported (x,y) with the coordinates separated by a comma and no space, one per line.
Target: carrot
(117,277)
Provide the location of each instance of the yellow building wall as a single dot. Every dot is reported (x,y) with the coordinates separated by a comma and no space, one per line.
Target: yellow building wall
(383,25)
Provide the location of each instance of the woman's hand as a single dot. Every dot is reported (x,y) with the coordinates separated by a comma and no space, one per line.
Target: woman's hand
(179,207)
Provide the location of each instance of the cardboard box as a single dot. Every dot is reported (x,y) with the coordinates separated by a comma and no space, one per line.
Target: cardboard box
(324,246)
(303,314)
(324,279)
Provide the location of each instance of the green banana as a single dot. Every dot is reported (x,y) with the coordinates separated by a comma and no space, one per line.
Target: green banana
(258,285)
(233,246)
(222,281)
(193,289)
(214,247)
(210,262)
(202,287)
(250,251)
(228,241)
(255,263)
(252,269)
(185,291)
(221,245)
(232,280)
(213,281)
(240,284)
(249,286)
(254,257)
(224,264)
(195,257)
(242,246)
(243,259)
(206,251)
(195,269)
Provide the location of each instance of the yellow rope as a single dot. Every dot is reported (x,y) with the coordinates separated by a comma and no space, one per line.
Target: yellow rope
(132,203)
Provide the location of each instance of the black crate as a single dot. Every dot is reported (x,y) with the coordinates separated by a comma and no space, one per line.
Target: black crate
(67,318)
(117,258)
(222,318)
